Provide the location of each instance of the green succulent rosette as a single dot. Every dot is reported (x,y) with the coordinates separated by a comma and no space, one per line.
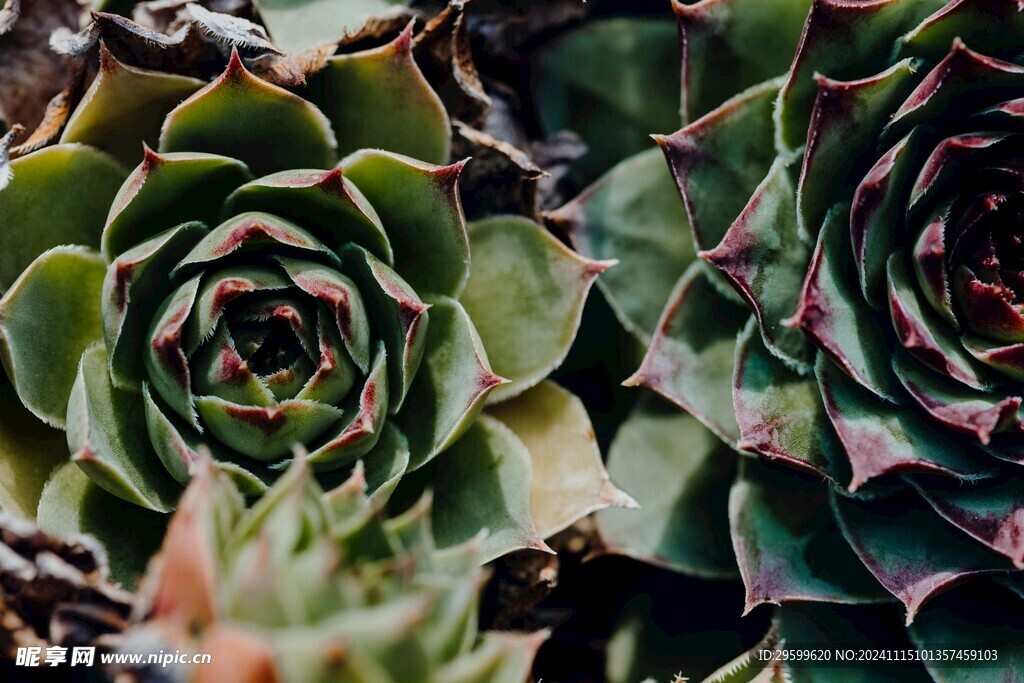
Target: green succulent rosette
(314,586)
(243,292)
(845,339)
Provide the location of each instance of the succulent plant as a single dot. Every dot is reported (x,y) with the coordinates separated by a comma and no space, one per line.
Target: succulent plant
(850,327)
(242,291)
(314,586)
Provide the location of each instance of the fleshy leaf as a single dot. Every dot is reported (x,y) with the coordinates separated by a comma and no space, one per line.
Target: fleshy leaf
(717,36)
(683,493)
(611,82)
(525,296)
(927,338)
(882,438)
(846,120)
(750,668)
(265,433)
(41,352)
(419,203)
(297,25)
(917,558)
(995,24)
(180,448)
(29,452)
(386,464)
(125,107)
(569,479)
(632,214)
(108,440)
(379,99)
(842,40)
(690,360)
(135,285)
(451,385)
(780,413)
(165,360)
(788,547)
(241,116)
(978,413)
(402,319)
(765,260)
(325,202)
(833,313)
(484,482)
(881,195)
(357,436)
(74,504)
(167,190)
(720,160)
(58,195)
(990,511)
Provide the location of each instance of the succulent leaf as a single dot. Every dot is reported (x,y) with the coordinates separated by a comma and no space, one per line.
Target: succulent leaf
(525,297)
(40,209)
(569,479)
(29,452)
(236,110)
(125,105)
(632,213)
(690,360)
(682,521)
(41,353)
(483,482)
(380,99)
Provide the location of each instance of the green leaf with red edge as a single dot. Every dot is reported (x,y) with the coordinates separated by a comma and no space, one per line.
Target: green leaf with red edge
(926,337)
(978,413)
(324,202)
(964,80)
(135,285)
(917,558)
(180,448)
(125,107)
(832,312)
(525,296)
(297,25)
(846,120)
(764,258)
(610,81)
(719,161)
(59,195)
(680,473)
(29,452)
(73,504)
(379,99)
(401,317)
(788,546)
(841,40)
(717,37)
(482,483)
(569,479)
(244,117)
(690,360)
(41,352)
(451,385)
(167,190)
(355,437)
(882,438)
(980,617)
(780,413)
(419,203)
(632,214)
(995,24)
(108,440)
(990,511)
